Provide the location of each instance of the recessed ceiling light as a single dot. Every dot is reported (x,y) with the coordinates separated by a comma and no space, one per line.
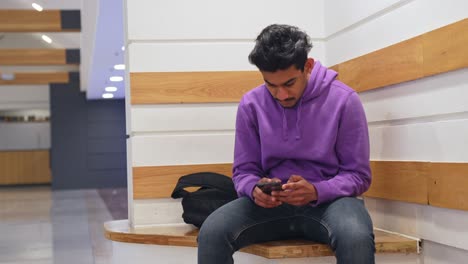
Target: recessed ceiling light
(119,66)
(107,95)
(37,7)
(111,89)
(46,39)
(116,78)
(7,76)
(123,48)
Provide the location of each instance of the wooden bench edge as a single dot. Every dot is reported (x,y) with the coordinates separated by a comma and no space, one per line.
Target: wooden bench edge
(120,231)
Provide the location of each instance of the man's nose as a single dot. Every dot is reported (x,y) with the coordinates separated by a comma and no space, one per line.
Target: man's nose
(282,94)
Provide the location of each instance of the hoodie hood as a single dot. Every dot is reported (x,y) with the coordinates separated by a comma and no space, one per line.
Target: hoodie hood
(320,79)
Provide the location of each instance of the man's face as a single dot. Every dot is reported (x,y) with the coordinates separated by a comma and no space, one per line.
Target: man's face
(287,86)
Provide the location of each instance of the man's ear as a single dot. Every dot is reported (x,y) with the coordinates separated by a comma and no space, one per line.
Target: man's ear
(309,65)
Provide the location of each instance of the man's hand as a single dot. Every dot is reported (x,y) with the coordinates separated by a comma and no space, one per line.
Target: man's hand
(262,199)
(297,191)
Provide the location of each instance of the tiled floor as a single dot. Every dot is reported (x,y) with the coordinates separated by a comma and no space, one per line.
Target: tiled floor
(40,226)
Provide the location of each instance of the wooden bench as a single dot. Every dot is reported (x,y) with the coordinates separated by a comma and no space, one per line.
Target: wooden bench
(185,235)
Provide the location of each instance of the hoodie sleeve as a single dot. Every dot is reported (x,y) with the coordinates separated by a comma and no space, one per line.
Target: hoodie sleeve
(352,148)
(247,169)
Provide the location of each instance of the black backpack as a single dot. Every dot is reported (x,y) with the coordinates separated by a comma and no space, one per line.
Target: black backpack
(216,190)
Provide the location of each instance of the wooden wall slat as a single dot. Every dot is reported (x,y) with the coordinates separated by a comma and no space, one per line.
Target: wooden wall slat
(24,167)
(31,21)
(191,87)
(435,52)
(399,180)
(33,57)
(37,78)
(159,181)
(402,181)
(438,51)
(438,184)
(395,64)
(448,185)
(446,49)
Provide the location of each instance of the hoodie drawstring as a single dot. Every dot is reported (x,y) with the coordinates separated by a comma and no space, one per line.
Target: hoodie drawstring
(298,121)
(285,126)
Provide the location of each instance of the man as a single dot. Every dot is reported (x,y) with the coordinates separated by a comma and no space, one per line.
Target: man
(309,131)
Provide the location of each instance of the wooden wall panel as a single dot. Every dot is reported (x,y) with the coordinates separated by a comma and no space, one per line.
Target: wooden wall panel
(33,57)
(395,64)
(37,78)
(31,21)
(159,181)
(399,180)
(24,167)
(435,52)
(446,49)
(448,185)
(438,184)
(192,87)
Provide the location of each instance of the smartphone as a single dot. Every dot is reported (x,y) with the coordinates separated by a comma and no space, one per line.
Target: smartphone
(268,187)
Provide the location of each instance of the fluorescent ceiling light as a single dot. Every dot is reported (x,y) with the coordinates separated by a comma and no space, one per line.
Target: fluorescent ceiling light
(111,89)
(46,39)
(119,66)
(37,7)
(116,78)
(107,95)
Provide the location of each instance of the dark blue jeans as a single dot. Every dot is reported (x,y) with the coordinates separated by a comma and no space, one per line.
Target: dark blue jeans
(344,224)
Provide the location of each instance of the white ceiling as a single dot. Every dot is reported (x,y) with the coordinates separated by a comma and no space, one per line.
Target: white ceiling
(100,41)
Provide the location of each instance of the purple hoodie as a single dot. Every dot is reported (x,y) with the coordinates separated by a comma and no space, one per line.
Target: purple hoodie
(324,139)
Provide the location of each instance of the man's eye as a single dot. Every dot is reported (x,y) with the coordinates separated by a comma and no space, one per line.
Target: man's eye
(289,84)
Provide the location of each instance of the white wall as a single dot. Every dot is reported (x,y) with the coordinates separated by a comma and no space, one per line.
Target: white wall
(394,21)
(184,36)
(24,97)
(19,99)
(421,120)
(424,120)
(24,136)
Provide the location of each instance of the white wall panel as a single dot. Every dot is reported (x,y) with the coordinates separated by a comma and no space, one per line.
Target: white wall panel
(408,142)
(440,254)
(184,117)
(442,141)
(338,15)
(441,225)
(440,94)
(23,94)
(198,56)
(24,136)
(180,149)
(451,141)
(157,211)
(415,18)
(212,19)
(186,56)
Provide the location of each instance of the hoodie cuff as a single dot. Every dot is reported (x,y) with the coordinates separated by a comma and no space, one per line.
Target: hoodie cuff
(324,193)
(247,187)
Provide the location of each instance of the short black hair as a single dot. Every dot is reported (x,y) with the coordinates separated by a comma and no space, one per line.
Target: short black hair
(278,47)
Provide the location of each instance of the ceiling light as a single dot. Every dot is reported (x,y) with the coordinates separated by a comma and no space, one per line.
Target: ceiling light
(116,78)
(119,66)
(37,7)
(7,76)
(107,95)
(111,89)
(123,48)
(46,39)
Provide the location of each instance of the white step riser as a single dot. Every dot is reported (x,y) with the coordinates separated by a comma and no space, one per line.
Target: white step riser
(124,253)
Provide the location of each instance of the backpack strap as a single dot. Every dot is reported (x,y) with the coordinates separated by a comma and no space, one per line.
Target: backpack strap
(203,179)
